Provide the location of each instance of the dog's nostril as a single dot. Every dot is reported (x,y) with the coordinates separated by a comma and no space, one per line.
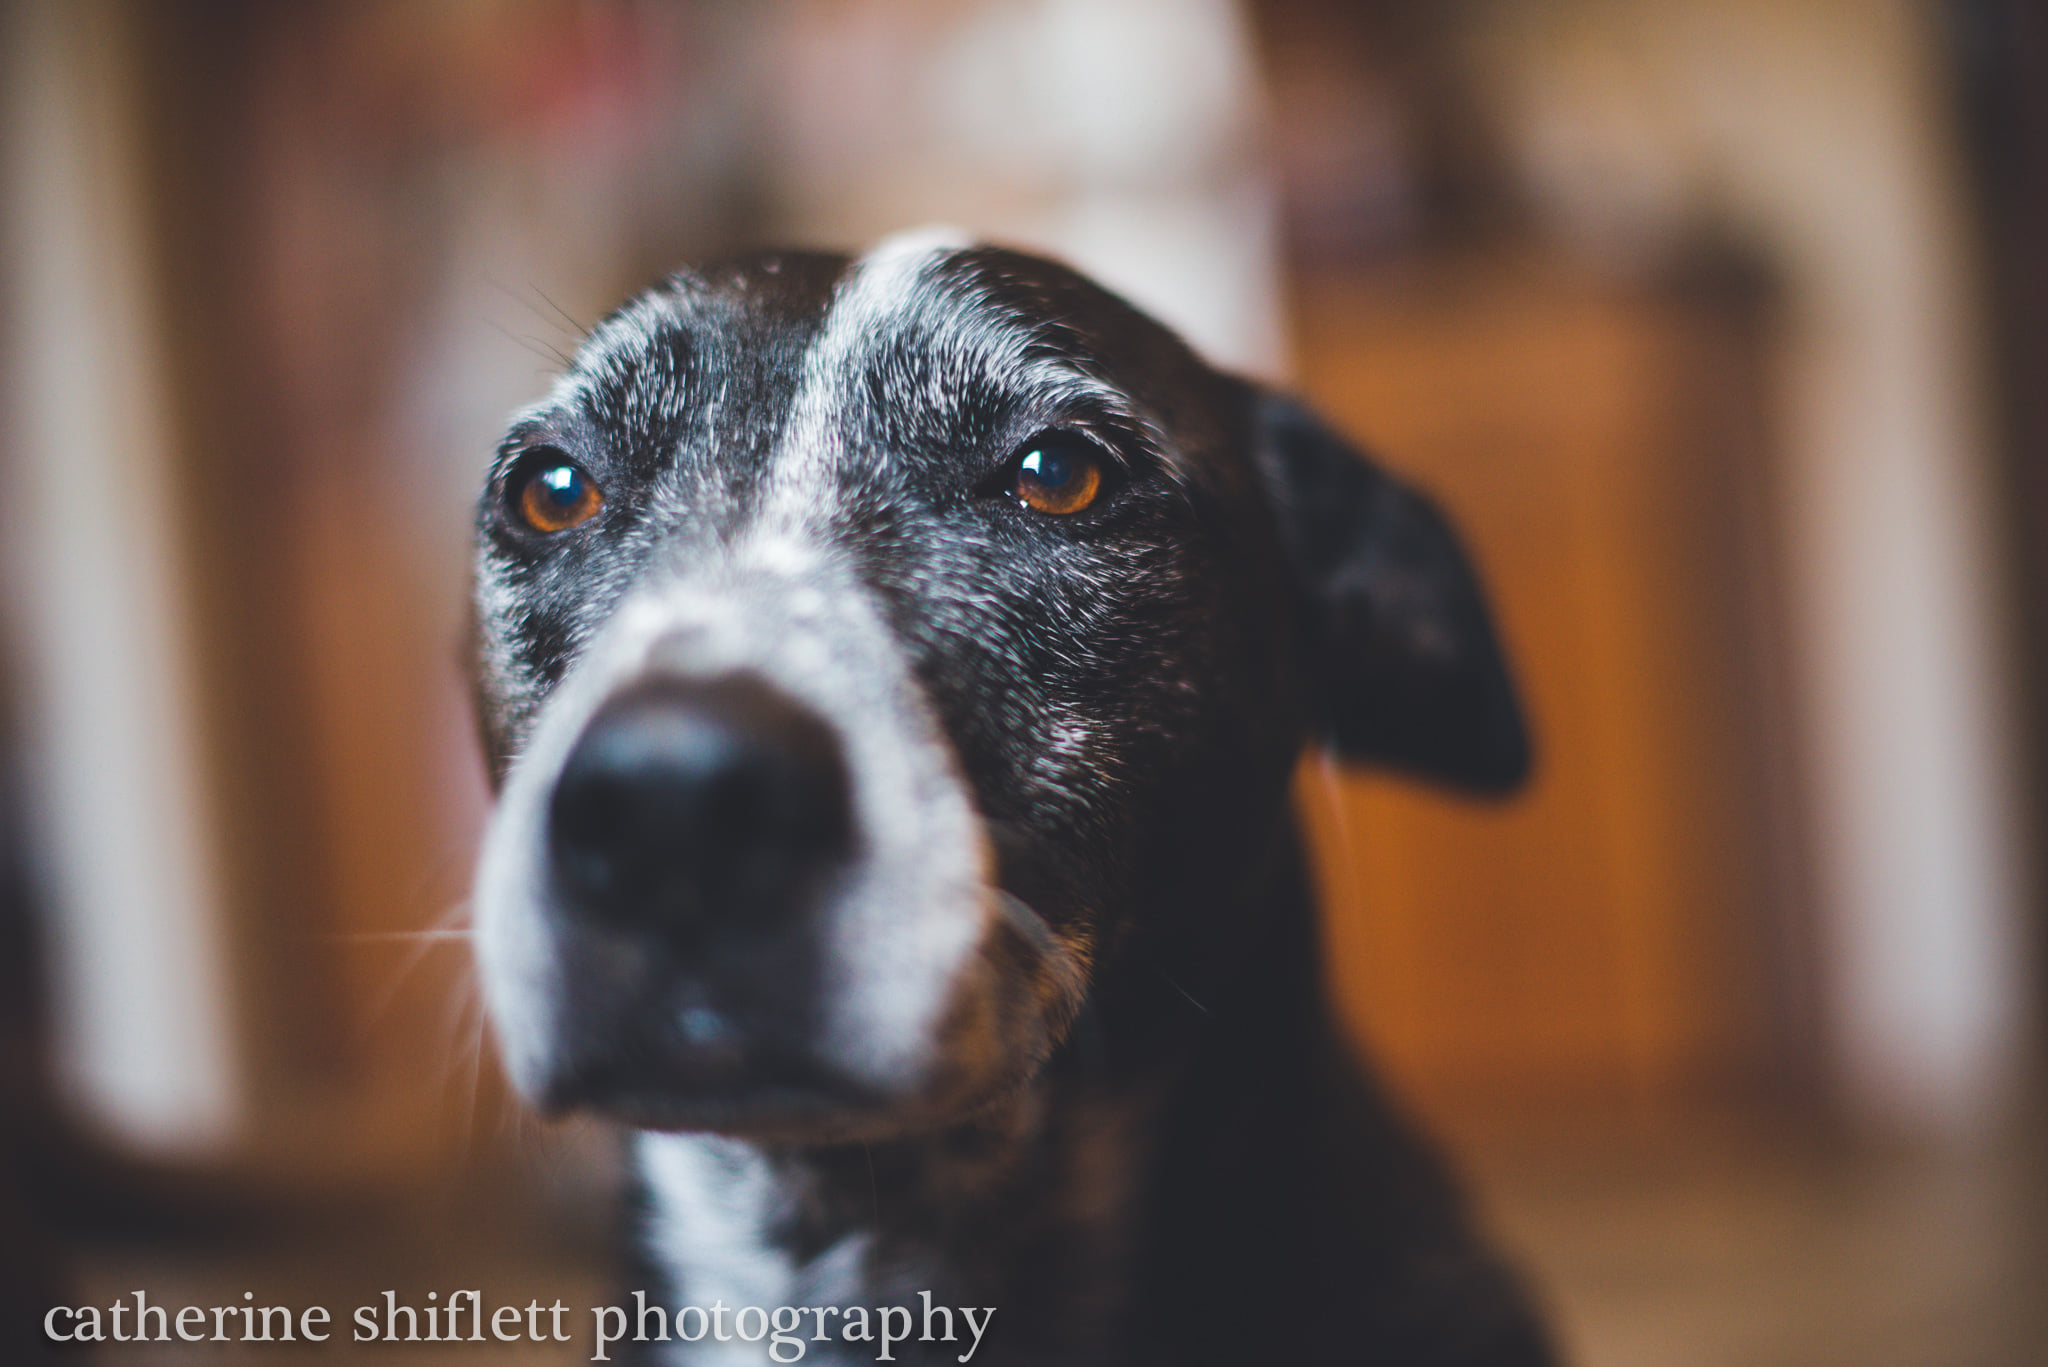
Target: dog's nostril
(684,804)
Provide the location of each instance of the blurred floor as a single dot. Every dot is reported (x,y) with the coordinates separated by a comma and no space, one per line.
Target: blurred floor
(1718,1244)
(1750,1245)
(518,1240)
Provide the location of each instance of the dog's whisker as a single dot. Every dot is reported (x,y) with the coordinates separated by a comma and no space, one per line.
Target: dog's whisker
(421,942)
(462,1051)
(475,1051)
(376,936)
(576,328)
(428,889)
(525,297)
(1178,988)
(1338,812)
(534,345)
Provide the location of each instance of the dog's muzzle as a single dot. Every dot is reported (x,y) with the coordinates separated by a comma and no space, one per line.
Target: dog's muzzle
(735,881)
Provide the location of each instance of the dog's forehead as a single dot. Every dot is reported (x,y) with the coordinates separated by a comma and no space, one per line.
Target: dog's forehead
(698,336)
(916,334)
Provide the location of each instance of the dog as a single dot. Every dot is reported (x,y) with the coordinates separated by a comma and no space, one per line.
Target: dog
(891,670)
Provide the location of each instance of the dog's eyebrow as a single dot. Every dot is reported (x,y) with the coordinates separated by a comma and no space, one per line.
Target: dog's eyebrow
(966,330)
(1088,401)
(553,421)
(527,425)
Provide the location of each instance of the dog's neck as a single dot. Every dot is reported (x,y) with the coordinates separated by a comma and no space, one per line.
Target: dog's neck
(1030,1214)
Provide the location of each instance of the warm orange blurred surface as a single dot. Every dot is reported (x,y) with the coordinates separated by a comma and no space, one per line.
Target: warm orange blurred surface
(1598,939)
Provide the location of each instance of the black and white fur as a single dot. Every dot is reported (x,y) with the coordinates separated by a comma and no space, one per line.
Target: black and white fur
(1023,1005)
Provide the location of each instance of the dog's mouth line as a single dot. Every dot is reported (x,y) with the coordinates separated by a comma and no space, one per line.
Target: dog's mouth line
(756,1111)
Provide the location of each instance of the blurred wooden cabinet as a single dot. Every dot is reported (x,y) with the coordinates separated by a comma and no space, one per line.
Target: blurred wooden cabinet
(1624,933)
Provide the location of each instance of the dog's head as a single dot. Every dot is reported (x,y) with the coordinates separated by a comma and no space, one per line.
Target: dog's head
(872,654)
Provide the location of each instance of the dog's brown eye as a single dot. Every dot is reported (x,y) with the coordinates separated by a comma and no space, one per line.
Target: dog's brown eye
(1058,474)
(556,497)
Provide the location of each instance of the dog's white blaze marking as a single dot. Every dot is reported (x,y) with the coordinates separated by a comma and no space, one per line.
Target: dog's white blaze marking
(780,554)
(903,931)
(807,604)
(909,915)
(872,292)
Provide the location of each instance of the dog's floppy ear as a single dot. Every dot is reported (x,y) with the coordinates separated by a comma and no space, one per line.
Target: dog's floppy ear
(1404,666)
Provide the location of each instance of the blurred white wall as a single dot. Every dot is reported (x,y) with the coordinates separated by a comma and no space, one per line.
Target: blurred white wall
(1122,135)
(98,631)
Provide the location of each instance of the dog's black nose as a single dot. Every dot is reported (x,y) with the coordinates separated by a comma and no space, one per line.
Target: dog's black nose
(690,804)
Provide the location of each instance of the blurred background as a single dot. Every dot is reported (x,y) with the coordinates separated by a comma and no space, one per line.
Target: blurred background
(1721,326)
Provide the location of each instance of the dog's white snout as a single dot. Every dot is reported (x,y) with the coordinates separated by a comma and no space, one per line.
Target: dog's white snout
(738,856)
